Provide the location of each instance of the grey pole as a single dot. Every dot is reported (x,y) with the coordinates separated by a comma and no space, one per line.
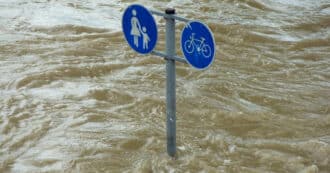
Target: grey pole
(170,84)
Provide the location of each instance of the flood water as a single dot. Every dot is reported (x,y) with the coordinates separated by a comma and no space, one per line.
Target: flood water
(76,98)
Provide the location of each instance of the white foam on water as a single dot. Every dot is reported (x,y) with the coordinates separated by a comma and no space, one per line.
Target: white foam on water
(59,90)
(98,14)
(62,15)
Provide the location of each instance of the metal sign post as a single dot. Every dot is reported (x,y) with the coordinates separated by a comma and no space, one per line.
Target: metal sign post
(140,32)
(170,84)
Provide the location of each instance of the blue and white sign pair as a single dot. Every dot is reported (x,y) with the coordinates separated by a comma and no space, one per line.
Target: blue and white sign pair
(140,30)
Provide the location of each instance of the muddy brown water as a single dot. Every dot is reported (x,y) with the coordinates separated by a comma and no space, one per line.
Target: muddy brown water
(76,98)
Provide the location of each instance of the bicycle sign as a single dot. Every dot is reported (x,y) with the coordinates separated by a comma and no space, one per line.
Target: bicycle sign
(200,46)
(197,45)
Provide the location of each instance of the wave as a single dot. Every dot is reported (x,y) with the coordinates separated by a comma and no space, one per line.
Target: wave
(315,26)
(310,43)
(60,73)
(68,29)
(257,5)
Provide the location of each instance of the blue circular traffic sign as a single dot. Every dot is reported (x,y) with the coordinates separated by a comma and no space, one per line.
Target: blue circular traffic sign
(198,45)
(139,28)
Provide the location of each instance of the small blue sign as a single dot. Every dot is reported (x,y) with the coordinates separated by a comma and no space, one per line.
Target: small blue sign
(139,28)
(197,45)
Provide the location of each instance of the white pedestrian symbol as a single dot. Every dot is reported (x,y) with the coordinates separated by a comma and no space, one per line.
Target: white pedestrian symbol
(136,27)
(137,31)
(146,38)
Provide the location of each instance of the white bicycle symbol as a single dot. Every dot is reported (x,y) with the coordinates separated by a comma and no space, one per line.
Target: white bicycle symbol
(200,45)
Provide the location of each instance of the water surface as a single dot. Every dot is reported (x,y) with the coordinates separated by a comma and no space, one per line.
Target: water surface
(76,98)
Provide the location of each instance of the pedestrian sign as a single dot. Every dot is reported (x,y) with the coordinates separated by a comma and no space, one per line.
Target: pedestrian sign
(139,28)
(197,45)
